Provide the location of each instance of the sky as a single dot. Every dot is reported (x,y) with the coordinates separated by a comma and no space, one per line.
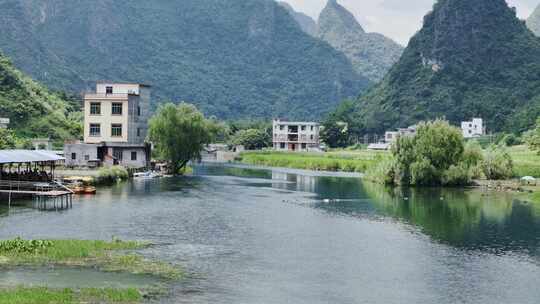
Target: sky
(397,19)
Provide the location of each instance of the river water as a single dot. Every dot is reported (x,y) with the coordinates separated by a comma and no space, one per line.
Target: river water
(263,236)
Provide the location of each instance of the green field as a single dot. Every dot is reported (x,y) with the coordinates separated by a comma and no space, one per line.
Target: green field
(341,160)
(526,162)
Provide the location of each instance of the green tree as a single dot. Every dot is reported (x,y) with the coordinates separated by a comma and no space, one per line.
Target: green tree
(434,156)
(179,133)
(340,126)
(7,139)
(252,139)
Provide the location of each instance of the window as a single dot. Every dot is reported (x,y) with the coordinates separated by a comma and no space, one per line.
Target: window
(73,156)
(109,90)
(95,130)
(303,128)
(116,130)
(281,128)
(311,128)
(138,111)
(117,154)
(138,132)
(304,146)
(282,145)
(87,157)
(311,137)
(134,155)
(117,108)
(95,108)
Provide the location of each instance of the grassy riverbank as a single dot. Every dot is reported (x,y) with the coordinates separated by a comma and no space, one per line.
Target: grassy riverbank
(526,162)
(76,253)
(40,295)
(345,161)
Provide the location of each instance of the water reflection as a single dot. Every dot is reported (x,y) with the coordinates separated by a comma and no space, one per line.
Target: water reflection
(465,218)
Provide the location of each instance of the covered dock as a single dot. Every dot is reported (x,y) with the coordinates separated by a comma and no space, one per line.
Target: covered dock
(27,173)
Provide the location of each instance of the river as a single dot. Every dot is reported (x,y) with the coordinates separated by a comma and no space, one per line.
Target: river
(262,236)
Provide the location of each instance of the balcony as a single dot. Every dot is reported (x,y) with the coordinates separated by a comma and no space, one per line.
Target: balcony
(95,96)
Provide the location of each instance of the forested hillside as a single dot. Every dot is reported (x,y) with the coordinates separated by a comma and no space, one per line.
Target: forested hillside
(33,110)
(233,59)
(470,59)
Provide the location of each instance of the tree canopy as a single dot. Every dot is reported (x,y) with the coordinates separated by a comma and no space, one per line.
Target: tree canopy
(179,134)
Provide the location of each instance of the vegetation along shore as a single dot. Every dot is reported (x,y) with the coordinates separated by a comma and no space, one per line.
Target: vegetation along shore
(84,254)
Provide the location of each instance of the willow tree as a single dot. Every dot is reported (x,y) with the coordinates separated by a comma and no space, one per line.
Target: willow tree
(179,133)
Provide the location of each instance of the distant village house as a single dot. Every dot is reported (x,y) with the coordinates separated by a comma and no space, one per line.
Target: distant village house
(4,123)
(296,136)
(115,128)
(474,128)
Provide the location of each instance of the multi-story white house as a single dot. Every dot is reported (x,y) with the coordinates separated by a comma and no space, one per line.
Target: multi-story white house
(115,127)
(474,128)
(296,136)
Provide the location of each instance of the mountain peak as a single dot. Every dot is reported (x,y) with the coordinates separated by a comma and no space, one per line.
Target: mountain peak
(371,54)
(533,22)
(336,17)
(307,24)
(470,58)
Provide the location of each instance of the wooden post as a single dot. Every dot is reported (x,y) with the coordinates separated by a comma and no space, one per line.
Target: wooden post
(9,199)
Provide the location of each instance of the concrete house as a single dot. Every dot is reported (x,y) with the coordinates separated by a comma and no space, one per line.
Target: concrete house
(474,128)
(4,123)
(296,136)
(392,136)
(115,127)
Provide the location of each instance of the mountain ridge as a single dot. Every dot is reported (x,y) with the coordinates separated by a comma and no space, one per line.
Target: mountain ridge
(469,59)
(234,59)
(372,54)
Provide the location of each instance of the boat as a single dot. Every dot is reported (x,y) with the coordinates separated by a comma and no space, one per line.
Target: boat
(90,190)
(80,185)
(146,175)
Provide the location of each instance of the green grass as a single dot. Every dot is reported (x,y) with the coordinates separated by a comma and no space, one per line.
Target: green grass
(338,160)
(79,253)
(41,295)
(526,162)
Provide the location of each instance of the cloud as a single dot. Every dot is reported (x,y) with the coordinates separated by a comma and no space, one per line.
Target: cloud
(398,19)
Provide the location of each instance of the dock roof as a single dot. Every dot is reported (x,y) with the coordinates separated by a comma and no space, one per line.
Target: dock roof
(27,156)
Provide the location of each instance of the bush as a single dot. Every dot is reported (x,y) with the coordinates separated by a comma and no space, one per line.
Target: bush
(497,164)
(384,172)
(424,158)
(112,175)
(510,140)
(457,175)
(473,153)
(252,139)
(423,173)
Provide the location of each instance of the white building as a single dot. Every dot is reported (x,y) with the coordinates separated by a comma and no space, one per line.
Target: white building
(474,128)
(392,136)
(115,127)
(4,123)
(296,136)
